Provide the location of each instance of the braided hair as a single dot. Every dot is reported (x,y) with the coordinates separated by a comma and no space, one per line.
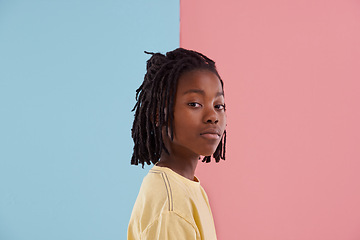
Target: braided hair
(155,102)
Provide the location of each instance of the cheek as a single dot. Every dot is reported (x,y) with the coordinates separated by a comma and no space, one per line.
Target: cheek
(182,126)
(185,126)
(222,119)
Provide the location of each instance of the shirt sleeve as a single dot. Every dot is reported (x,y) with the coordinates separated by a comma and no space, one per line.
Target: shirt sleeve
(170,226)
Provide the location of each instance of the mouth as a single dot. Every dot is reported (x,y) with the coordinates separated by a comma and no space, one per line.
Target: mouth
(211,134)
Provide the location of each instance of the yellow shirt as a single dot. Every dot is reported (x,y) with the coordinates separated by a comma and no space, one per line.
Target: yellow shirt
(169,207)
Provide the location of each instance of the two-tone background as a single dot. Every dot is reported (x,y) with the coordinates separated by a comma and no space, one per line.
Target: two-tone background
(68,74)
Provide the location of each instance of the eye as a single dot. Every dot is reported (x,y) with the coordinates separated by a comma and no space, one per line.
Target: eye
(220,107)
(194,104)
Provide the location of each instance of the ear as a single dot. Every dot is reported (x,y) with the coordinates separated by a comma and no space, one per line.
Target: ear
(157,119)
(165,112)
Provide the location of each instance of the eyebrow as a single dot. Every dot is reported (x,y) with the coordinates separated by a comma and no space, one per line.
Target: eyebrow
(199,91)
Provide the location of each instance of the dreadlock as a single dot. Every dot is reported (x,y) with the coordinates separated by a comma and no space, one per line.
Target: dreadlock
(155,102)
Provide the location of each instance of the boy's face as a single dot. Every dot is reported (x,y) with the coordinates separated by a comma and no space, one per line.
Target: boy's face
(199,114)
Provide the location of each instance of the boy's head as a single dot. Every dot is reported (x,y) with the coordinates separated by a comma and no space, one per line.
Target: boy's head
(154,110)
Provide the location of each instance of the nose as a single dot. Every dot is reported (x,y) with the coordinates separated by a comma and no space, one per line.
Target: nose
(211,116)
(211,121)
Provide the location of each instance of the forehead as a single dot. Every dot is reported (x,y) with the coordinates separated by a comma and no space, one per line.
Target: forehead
(199,79)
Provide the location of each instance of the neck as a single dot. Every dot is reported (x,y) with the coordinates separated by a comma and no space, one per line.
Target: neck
(183,165)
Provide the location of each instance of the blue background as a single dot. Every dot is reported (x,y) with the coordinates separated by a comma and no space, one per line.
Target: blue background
(68,75)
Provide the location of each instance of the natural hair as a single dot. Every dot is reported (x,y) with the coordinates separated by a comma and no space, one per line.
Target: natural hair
(155,102)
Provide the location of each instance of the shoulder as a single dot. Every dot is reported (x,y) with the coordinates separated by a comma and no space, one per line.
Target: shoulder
(155,188)
(155,196)
(155,203)
(180,228)
(165,198)
(162,189)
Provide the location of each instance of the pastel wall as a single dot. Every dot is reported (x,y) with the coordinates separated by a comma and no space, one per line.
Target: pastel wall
(291,73)
(68,75)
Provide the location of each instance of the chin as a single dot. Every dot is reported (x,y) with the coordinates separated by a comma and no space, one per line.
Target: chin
(208,152)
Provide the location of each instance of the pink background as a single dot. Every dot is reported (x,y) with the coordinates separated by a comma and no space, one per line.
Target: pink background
(291,71)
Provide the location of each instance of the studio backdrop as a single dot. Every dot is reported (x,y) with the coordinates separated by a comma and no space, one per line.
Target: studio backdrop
(68,75)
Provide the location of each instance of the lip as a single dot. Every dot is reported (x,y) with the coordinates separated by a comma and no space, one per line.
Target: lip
(212,133)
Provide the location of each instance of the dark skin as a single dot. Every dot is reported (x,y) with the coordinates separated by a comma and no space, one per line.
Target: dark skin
(199,122)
